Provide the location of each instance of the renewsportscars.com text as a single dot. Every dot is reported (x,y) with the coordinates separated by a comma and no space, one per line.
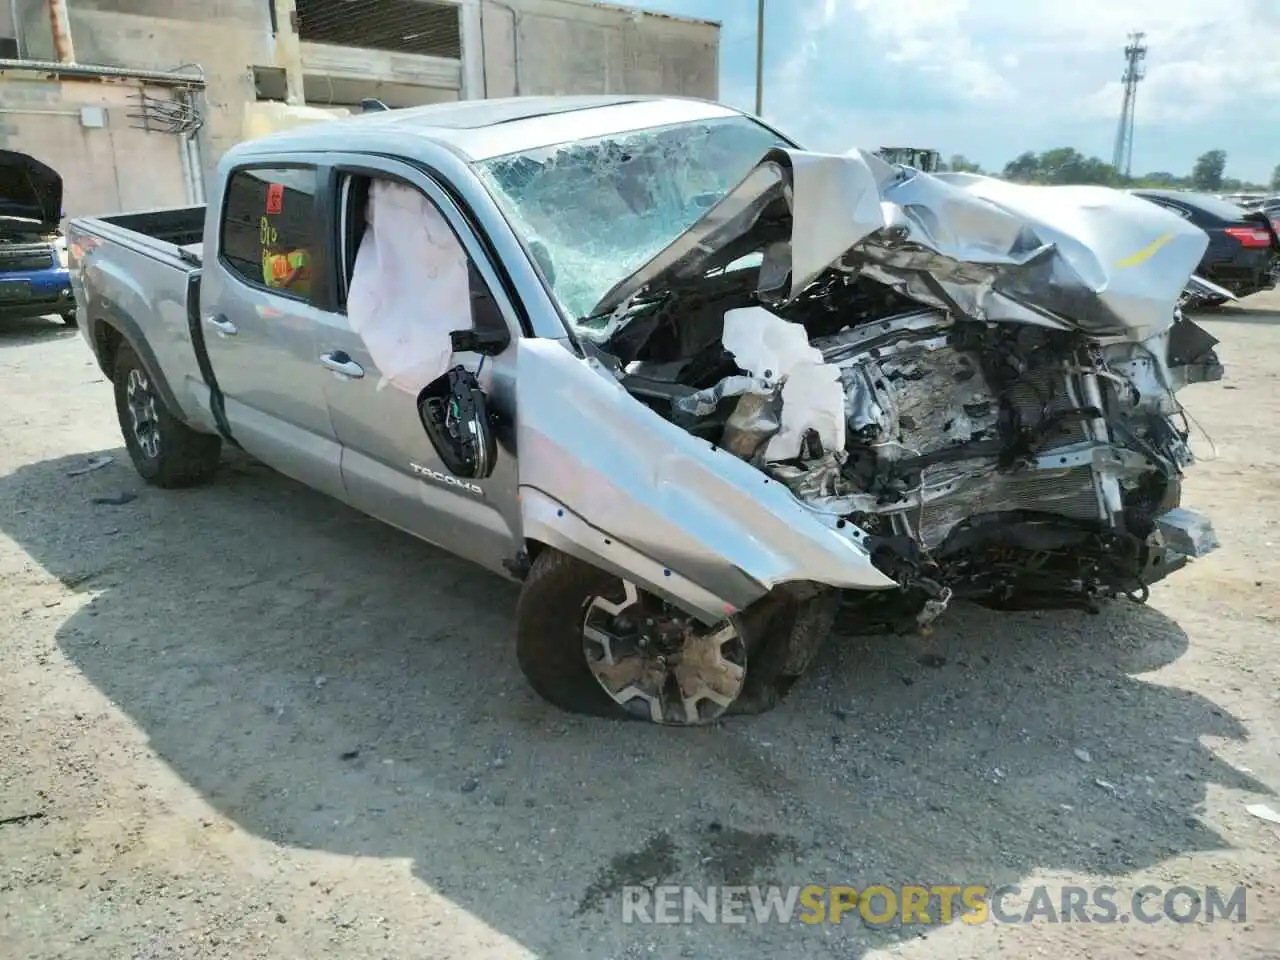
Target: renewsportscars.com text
(930,905)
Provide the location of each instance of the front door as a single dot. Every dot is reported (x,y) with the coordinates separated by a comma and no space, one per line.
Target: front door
(389,467)
(259,322)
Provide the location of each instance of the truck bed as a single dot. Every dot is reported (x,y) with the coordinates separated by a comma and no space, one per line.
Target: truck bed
(141,275)
(170,232)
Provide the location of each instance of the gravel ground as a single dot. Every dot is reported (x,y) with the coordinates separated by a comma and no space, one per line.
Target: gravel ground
(244,721)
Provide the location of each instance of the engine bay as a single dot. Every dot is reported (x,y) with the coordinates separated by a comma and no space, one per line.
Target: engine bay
(1013,464)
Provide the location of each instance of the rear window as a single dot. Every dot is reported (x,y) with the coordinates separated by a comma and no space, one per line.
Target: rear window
(270,230)
(1206,208)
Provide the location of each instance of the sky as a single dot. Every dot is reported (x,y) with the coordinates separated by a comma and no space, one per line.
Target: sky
(990,79)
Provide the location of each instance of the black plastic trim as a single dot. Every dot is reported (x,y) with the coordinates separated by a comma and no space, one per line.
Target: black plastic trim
(216,401)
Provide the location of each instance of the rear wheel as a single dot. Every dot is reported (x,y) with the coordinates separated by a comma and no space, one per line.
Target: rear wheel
(164,450)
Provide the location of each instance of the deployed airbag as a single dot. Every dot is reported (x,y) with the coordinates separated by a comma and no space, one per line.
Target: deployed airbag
(774,351)
(410,287)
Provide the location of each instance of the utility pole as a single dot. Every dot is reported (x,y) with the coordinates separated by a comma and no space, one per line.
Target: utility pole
(60,24)
(289,51)
(1134,53)
(760,58)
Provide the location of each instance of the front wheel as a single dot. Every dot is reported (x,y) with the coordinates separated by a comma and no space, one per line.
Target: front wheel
(164,450)
(591,643)
(69,318)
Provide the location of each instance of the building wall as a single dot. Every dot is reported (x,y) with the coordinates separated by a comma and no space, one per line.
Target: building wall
(510,48)
(527,47)
(100,166)
(224,37)
(576,46)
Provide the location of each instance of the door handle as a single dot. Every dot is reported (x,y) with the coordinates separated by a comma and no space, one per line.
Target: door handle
(339,362)
(221,324)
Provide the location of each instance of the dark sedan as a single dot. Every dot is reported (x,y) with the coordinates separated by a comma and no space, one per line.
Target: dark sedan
(1244,247)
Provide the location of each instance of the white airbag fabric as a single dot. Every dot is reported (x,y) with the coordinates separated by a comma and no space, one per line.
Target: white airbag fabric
(770,348)
(409,289)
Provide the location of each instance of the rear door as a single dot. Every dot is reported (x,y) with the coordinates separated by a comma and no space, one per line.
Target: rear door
(259,323)
(389,467)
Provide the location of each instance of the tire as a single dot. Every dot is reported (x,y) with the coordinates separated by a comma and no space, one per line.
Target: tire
(785,632)
(781,633)
(69,319)
(549,616)
(168,453)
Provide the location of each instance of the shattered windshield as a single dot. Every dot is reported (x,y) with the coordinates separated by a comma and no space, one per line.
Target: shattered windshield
(594,211)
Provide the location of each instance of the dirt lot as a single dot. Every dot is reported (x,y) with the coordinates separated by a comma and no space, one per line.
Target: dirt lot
(245,721)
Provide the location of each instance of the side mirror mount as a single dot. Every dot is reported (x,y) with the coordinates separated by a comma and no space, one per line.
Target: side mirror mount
(455,415)
(489,343)
(490,334)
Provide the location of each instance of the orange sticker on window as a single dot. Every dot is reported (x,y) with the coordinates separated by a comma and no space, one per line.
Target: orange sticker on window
(275,197)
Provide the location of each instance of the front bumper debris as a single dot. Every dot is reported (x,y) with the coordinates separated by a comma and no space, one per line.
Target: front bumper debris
(1187,533)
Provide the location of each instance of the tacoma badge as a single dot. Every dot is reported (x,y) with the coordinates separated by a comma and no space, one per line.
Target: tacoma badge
(446,479)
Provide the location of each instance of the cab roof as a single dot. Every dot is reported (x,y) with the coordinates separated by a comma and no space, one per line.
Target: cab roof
(482,129)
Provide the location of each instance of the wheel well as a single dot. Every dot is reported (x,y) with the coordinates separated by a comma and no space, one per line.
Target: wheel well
(107,340)
(518,566)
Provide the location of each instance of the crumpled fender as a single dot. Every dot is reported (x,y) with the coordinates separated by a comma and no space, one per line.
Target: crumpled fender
(604,478)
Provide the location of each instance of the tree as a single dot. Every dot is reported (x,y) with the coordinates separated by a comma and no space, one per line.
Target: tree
(1275,178)
(962,164)
(1208,171)
(1025,167)
(1160,178)
(1062,165)
(1066,165)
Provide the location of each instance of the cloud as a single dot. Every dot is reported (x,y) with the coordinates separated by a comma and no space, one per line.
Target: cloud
(1193,78)
(929,35)
(990,78)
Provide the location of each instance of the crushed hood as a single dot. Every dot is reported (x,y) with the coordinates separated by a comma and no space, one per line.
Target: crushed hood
(30,190)
(1084,257)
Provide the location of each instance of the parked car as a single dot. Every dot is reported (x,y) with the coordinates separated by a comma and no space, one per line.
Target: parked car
(1245,201)
(691,385)
(33,253)
(1244,246)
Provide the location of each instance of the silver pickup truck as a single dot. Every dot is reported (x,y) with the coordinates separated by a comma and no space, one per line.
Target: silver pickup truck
(700,389)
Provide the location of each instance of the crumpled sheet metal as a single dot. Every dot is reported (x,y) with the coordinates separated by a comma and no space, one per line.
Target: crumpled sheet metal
(704,402)
(640,480)
(1093,258)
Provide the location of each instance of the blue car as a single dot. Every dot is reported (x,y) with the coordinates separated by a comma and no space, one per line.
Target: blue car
(34,281)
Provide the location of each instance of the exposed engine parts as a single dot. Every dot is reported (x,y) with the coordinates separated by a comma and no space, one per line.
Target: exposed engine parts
(1010,464)
(979,377)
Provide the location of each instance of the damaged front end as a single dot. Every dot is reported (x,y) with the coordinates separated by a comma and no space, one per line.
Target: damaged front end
(970,384)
